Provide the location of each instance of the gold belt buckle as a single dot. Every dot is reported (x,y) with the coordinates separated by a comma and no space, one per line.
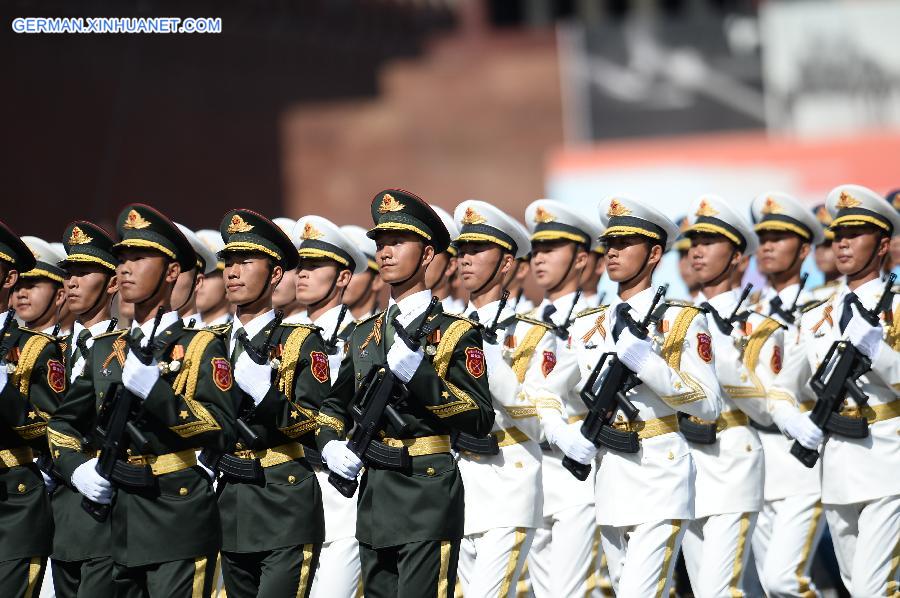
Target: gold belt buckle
(138,460)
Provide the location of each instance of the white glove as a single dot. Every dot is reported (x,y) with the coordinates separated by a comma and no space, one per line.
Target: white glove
(49,480)
(253,378)
(91,484)
(3,376)
(864,336)
(139,378)
(799,427)
(403,361)
(341,460)
(632,351)
(571,441)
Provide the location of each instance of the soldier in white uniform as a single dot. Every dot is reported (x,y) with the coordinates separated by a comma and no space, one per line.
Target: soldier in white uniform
(644,499)
(328,261)
(860,481)
(565,550)
(503,490)
(184,296)
(364,290)
(442,269)
(727,451)
(825,258)
(790,525)
(596,266)
(211,301)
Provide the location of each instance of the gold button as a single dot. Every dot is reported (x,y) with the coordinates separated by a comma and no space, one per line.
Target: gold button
(359,375)
(671,455)
(22,488)
(183,491)
(291,479)
(429,471)
(749,448)
(519,464)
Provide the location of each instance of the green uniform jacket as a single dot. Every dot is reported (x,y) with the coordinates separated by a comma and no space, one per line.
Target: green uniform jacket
(191,408)
(77,535)
(29,398)
(286,509)
(449,391)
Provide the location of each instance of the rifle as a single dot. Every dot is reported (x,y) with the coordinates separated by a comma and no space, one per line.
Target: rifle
(486,445)
(229,465)
(698,432)
(331,343)
(790,315)
(116,431)
(836,379)
(562,331)
(611,397)
(379,393)
(5,344)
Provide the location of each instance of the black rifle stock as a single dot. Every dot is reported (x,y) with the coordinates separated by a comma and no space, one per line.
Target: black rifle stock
(259,356)
(379,392)
(836,379)
(117,431)
(611,397)
(8,327)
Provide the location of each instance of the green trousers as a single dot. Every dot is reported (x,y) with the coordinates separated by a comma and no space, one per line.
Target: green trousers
(280,572)
(174,579)
(414,570)
(22,578)
(83,579)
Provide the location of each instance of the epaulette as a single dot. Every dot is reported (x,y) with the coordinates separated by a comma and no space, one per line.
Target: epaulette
(826,285)
(474,323)
(218,327)
(371,317)
(745,315)
(534,322)
(680,303)
(591,310)
(38,333)
(300,325)
(811,305)
(118,332)
(218,330)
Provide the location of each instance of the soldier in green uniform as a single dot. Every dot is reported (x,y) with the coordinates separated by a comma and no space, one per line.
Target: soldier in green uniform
(410,521)
(165,531)
(82,554)
(270,501)
(32,380)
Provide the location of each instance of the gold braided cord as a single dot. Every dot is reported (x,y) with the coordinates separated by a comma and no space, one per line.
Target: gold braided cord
(60,440)
(7,258)
(556,235)
(755,345)
(892,335)
(330,422)
(146,244)
(620,230)
(84,258)
(42,273)
(27,360)
(524,352)
(186,386)
(402,226)
(312,252)
(484,238)
(708,227)
(287,372)
(521,412)
(441,363)
(858,220)
(671,353)
(248,246)
(780,225)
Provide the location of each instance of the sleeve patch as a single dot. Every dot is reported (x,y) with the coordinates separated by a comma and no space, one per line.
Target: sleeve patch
(776,359)
(548,363)
(704,347)
(222,373)
(475,362)
(319,366)
(56,375)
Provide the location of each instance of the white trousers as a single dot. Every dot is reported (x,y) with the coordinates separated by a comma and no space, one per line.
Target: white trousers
(867,545)
(641,558)
(337,575)
(716,553)
(490,563)
(565,554)
(784,543)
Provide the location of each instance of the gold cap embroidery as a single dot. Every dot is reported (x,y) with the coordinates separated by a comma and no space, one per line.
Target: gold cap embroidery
(310,232)
(617,209)
(543,216)
(78,237)
(847,201)
(704,209)
(389,204)
(135,220)
(771,206)
(239,225)
(473,217)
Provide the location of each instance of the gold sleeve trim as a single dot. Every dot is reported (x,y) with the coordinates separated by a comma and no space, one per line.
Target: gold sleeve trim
(673,347)
(892,338)
(186,386)
(27,360)
(60,440)
(441,363)
(524,352)
(330,422)
(521,412)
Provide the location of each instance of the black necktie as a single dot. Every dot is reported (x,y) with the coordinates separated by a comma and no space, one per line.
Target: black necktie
(549,310)
(621,320)
(474,316)
(847,314)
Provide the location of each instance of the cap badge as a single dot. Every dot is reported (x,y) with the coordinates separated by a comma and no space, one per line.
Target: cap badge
(239,225)
(617,209)
(847,201)
(78,237)
(704,209)
(389,204)
(771,207)
(473,217)
(135,221)
(543,216)
(311,233)
(684,224)
(823,215)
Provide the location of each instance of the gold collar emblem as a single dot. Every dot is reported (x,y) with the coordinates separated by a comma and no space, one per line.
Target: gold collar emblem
(389,204)
(239,225)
